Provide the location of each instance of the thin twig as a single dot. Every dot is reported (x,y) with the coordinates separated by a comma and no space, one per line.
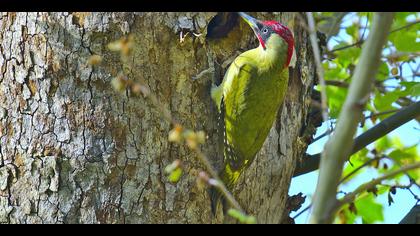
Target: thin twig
(338,83)
(405,26)
(405,187)
(382,113)
(311,162)
(402,170)
(329,131)
(344,84)
(220,185)
(402,101)
(361,41)
(414,195)
(350,197)
(360,167)
(358,43)
(337,21)
(302,211)
(365,28)
(319,68)
(397,162)
(166,114)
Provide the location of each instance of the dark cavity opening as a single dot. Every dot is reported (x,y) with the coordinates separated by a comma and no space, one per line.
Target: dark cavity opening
(221,25)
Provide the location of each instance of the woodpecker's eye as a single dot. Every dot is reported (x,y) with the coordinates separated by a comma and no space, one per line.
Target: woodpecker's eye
(265,31)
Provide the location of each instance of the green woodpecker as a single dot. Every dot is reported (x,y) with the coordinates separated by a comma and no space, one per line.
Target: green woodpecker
(249,96)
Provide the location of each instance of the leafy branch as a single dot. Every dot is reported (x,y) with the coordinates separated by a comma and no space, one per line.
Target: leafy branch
(371,116)
(339,146)
(405,26)
(319,68)
(369,185)
(361,40)
(375,115)
(367,163)
(393,189)
(358,43)
(311,162)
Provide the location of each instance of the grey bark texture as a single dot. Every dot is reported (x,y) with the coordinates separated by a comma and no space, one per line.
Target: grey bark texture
(73,150)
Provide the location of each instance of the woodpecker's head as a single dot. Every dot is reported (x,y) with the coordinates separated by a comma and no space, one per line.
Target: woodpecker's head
(264,30)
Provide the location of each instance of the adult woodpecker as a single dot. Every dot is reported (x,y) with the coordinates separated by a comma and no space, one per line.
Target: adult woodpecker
(249,96)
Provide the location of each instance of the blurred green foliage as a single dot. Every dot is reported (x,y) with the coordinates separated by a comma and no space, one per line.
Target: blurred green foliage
(397,85)
(241,217)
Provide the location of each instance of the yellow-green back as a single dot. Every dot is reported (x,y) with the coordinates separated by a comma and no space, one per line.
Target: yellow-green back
(250,95)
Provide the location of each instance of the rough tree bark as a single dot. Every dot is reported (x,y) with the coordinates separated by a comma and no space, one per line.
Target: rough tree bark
(73,150)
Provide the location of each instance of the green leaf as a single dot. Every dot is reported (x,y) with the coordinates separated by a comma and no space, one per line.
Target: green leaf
(369,209)
(400,19)
(408,85)
(399,154)
(336,97)
(337,73)
(340,45)
(383,144)
(345,216)
(356,160)
(407,154)
(383,102)
(175,175)
(353,31)
(396,142)
(371,108)
(348,56)
(405,41)
(407,88)
(415,90)
(382,189)
(383,72)
(415,174)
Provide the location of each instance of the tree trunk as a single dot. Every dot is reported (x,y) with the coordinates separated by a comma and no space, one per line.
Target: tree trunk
(73,150)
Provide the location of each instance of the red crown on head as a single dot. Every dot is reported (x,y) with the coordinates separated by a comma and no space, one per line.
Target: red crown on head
(285,33)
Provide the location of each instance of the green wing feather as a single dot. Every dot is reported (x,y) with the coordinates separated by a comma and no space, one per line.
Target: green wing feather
(238,72)
(248,99)
(231,98)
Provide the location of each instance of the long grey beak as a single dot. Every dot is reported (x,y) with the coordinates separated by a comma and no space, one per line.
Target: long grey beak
(251,22)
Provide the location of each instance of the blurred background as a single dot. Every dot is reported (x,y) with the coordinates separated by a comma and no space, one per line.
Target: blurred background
(398,85)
